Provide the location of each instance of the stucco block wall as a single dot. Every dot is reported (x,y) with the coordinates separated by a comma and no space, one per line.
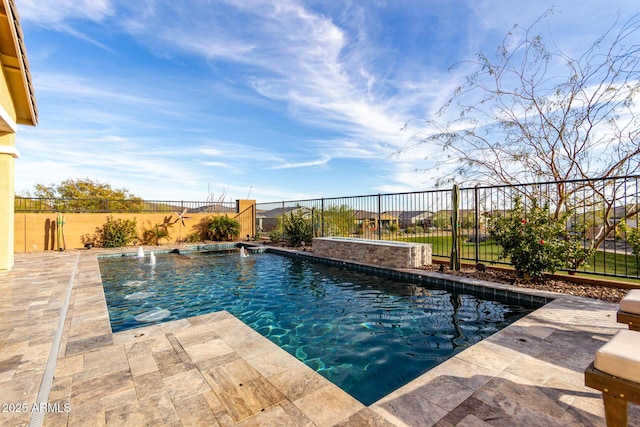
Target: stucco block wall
(37,231)
(376,252)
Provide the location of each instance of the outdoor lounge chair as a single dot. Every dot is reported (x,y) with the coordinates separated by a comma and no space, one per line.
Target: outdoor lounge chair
(615,371)
(629,312)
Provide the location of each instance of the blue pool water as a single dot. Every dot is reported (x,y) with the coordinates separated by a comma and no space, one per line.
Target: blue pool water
(367,334)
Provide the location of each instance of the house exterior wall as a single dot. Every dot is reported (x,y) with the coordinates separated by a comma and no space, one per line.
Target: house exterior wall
(7,165)
(7,185)
(17,105)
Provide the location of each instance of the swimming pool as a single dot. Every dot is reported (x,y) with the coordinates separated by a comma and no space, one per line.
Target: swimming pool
(367,334)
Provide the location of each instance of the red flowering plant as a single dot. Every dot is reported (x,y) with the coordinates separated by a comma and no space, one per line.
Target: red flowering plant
(531,239)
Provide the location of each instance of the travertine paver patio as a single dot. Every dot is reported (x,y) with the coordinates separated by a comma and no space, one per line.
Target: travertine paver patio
(214,370)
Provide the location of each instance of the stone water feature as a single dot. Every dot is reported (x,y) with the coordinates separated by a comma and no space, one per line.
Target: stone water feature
(384,253)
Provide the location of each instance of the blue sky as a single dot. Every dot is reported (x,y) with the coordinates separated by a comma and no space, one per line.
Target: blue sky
(268,99)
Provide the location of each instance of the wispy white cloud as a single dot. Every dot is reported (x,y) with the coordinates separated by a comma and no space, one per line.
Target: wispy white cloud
(319,162)
(54,12)
(78,87)
(57,14)
(259,89)
(298,57)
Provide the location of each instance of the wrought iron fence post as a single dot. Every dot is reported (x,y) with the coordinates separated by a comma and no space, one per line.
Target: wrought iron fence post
(379,217)
(477,222)
(283,220)
(322,217)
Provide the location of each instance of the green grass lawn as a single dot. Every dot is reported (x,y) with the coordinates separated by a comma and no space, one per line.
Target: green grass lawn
(613,263)
(441,246)
(608,263)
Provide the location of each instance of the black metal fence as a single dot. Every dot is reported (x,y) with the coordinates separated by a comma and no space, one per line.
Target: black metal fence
(27,204)
(597,207)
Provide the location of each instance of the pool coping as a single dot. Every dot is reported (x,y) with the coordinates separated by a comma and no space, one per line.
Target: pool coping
(543,354)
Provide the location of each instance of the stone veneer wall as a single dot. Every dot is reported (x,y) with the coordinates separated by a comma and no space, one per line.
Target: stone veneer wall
(381,253)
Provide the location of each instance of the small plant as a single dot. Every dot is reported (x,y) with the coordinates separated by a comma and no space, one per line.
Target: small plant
(223,228)
(632,237)
(297,229)
(532,241)
(158,232)
(275,236)
(192,238)
(117,232)
(89,240)
(154,235)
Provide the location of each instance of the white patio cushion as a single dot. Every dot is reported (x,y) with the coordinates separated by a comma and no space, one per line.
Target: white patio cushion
(620,357)
(631,302)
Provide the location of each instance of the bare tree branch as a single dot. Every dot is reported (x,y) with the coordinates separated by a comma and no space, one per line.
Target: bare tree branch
(532,113)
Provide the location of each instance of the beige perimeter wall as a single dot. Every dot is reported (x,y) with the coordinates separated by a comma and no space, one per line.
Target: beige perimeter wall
(37,231)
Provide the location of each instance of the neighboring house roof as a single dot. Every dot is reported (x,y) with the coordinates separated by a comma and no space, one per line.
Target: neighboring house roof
(460,211)
(277,212)
(620,212)
(365,215)
(414,214)
(13,57)
(373,215)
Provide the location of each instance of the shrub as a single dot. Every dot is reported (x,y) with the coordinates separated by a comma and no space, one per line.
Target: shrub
(192,238)
(533,241)
(117,232)
(414,230)
(88,239)
(632,236)
(275,236)
(223,228)
(155,234)
(297,229)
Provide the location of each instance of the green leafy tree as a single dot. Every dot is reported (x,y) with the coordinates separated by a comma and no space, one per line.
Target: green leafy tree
(334,221)
(223,228)
(86,195)
(442,220)
(117,232)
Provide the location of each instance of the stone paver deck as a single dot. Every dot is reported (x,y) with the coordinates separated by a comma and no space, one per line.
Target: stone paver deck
(212,370)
